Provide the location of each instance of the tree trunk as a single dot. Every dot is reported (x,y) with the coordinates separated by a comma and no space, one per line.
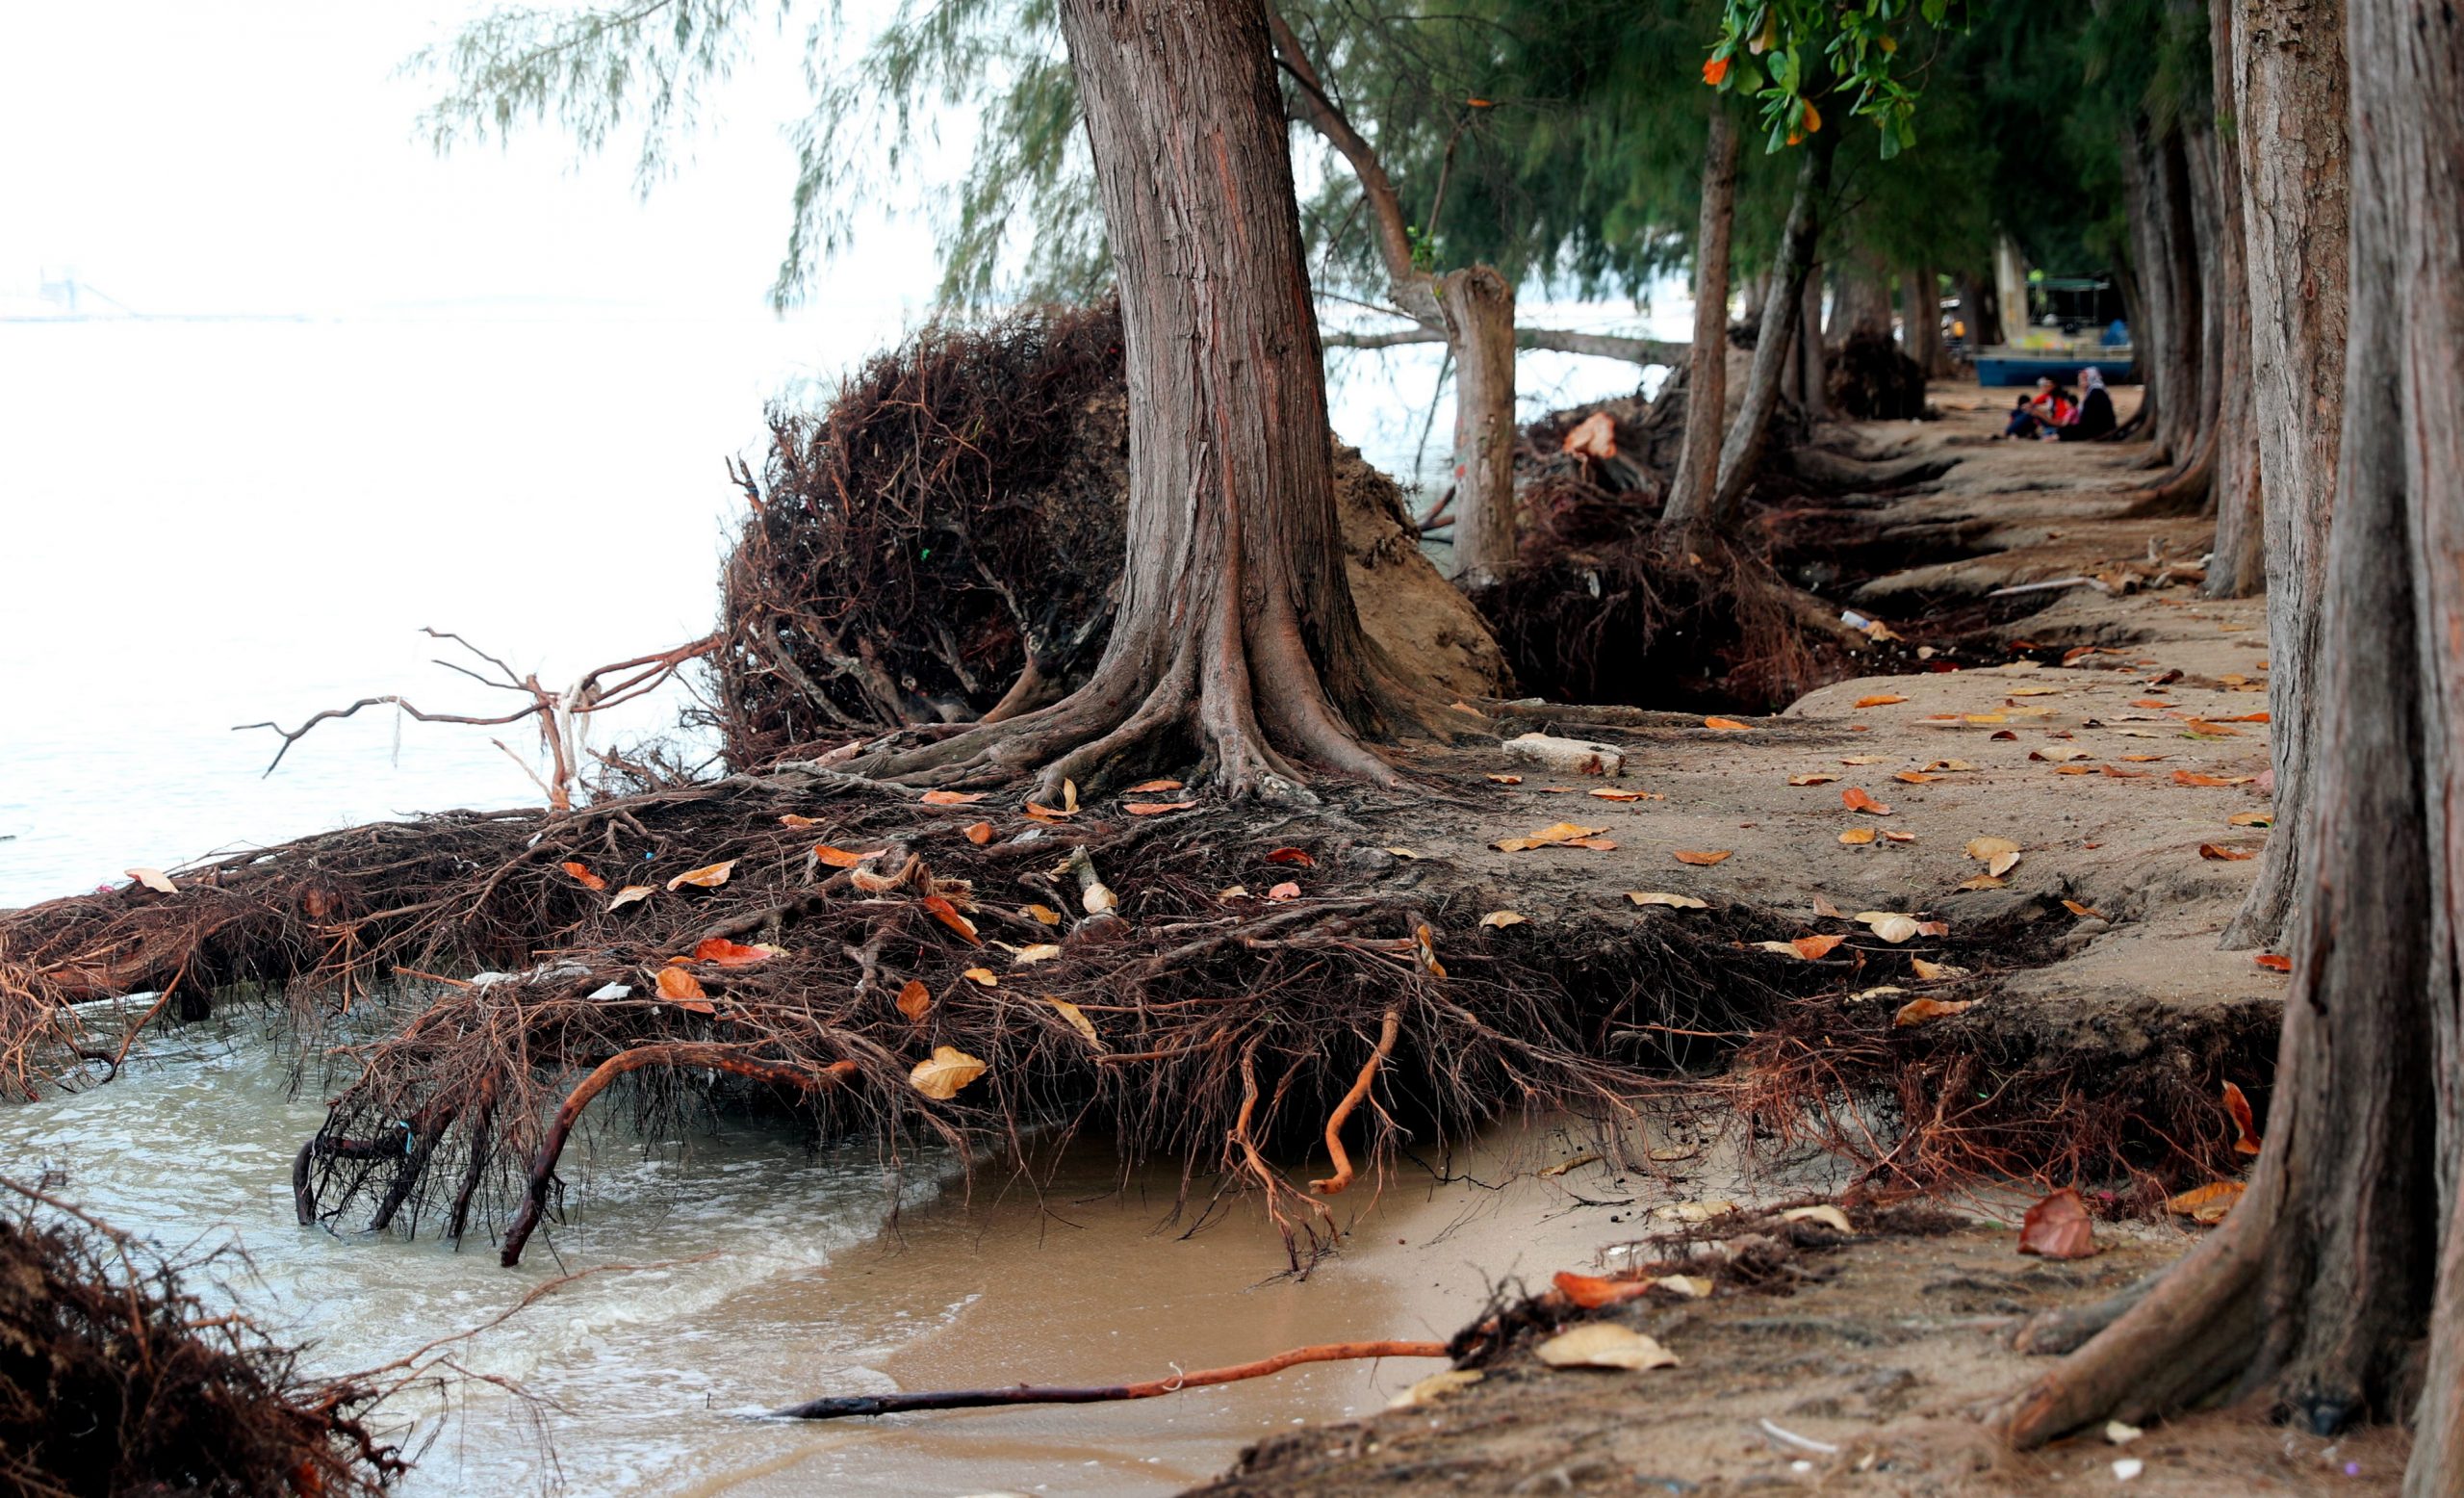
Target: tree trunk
(1782,306)
(2180,313)
(2292,104)
(2239,566)
(1706,372)
(1863,304)
(1237,638)
(2347,1249)
(1921,322)
(2147,285)
(1478,307)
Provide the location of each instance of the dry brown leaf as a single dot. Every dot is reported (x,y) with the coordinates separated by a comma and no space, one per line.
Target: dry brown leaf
(1857,837)
(2209,1204)
(2077,909)
(1824,907)
(2238,1109)
(1813,948)
(1618,795)
(947,1070)
(631,894)
(684,991)
(1050,815)
(842,858)
(2060,755)
(1286,890)
(2143,759)
(1151,786)
(1883,700)
(1077,1019)
(1702,858)
(981,977)
(948,914)
(709,876)
(1297,856)
(1899,837)
(1589,1292)
(979,833)
(1982,882)
(915,1001)
(1594,437)
(1826,1214)
(1815,777)
(2250,819)
(799,819)
(2035,691)
(1935,971)
(732,954)
(1035,952)
(582,873)
(2209,850)
(1663,897)
(1894,929)
(953,797)
(1505,780)
(1156,808)
(1914,778)
(1949,766)
(1044,915)
(2194,778)
(1726,725)
(1863,759)
(1502,918)
(1436,1387)
(1916,1011)
(1605,1344)
(1854,799)
(2058,1227)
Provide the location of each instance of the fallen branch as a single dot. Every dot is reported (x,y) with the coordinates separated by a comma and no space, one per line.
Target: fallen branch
(840,1406)
(1386,1033)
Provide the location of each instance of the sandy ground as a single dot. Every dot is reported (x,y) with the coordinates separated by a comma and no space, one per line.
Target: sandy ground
(2107,928)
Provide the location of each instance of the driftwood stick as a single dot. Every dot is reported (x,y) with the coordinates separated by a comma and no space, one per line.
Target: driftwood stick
(839,1406)
(543,1169)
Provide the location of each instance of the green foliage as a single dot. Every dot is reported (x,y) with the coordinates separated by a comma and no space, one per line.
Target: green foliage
(1788,53)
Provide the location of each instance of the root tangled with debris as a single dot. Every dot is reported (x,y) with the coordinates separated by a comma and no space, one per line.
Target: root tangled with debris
(116,1379)
(945,544)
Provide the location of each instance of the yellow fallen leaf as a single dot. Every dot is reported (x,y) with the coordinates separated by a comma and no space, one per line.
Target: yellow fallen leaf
(1693,1287)
(1503,918)
(1916,1011)
(1605,1344)
(1857,837)
(1044,914)
(154,879)
(2003,863)
(631,894)
(1077,1019)
(1039,952)
(2035,691)
(1702,858)
(1505,780)
(1883,700)
(982,977)
(2208,1204)
(2237,820)
(1931,971)
(1914,778)
(709,876)
(949,1070)
(1985,849)
(1663,897)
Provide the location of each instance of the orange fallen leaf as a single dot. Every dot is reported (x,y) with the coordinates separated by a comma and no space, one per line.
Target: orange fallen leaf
(2208,1204)
(1597,844)
(841,857)
(1618,795)
(2194,778)
(1505,780)
(2246,717)
(1884,700)
(941,910)
(953,797)
(1815,948)
(1857,837)
(2209,850)
(1590,1292)
(2077,909)
(2149,702)
(2058,1227)
(979,833)
(1297,856)
(709,876)
(2126,774)
(1044,914)
(732,954)
(1157,807)
(1818,778)
(1050,813)
(684,991)
(582,876)
(2074,769)
(1862,758)
(1148,786)
(799,819)
(2238,1107)
(981,977)
(1855,800)
(1982,882)
(2273,962)
(1727,725)
(1899,837)
(2250,819)
(1594,437)
(2143,759)
(915,1001)
(1916,1011)
(1702,858)
(1914,778)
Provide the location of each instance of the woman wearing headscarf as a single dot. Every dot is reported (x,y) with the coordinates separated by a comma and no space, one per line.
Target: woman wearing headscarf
(2095,418)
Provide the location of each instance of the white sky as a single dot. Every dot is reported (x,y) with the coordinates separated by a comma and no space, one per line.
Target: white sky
(192,156)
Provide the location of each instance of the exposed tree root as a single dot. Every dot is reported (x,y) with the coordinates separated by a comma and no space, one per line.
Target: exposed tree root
(1388,1029)
(840,1406)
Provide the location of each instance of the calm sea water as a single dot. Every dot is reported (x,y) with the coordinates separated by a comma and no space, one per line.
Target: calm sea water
(210,524)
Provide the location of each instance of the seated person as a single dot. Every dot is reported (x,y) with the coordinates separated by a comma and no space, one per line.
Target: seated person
(2037,414)
(2095,414)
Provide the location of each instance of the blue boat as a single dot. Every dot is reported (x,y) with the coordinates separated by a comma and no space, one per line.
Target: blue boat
(2026,366)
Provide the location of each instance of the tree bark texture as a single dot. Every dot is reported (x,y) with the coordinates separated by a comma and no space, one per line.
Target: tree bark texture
(1781,307)
(2292,103)
(1862,304)
(1813,366)
(1479,308)
(2238,568)
(1236,636)
(1706,372)
(2348,1246)
(2147,284)
(1921,322)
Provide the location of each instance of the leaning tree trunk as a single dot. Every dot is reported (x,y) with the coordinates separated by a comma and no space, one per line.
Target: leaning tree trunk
(1707,369)
(2289,82)
(1236,637)
(2347,1249)
(1478,307)
(2238,565)
(1782,306)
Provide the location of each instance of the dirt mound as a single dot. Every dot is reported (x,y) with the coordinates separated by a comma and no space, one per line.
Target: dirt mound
(946,538)
(115,1378)
(1871,380)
